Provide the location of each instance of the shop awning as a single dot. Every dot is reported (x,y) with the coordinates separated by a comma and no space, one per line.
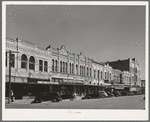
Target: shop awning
(46,82)
(106,84)
(118,86)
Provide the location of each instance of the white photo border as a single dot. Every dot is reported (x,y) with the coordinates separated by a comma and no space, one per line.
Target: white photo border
(82,114)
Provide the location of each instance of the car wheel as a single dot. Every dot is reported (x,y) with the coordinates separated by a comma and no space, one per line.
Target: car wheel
(39,100)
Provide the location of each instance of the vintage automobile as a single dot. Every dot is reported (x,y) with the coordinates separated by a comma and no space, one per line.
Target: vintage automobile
(47,96)
(103,94)
(66,95)
(110,94)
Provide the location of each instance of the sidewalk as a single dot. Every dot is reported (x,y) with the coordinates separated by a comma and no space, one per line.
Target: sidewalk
(20,101)
(29,100)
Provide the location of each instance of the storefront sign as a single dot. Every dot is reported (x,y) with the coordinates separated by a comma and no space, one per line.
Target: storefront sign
(78,82)
(53,83)
(44,82)
(118,86)
(67,81)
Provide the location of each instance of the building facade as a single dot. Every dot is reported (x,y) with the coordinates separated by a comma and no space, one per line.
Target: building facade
(131,70)
(34,69)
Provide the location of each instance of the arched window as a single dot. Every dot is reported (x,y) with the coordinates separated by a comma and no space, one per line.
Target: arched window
(72,69)
(98,74)
(83,70)
(32,63)
(63,67)
(101,75)
(77,69)
(66,67)
(60,66)
(90,72)
(87,71)
(107,75)
(56,65)
(24,61)
(80,70)
(53,65)
(94,73)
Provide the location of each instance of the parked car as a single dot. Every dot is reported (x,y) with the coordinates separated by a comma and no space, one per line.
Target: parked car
(135,92)
(124,93)
(86,97)
(119,93)
(132,93)
(116,93)
(140,92)
(103,94)
(68,96)
(47,96)
(143,91)
(128,93)
(95,95)
(109,94)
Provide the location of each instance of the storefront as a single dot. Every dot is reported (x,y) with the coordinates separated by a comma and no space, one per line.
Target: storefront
(38,85)
(127,87)
(68,86)
(107,87)
(118,87)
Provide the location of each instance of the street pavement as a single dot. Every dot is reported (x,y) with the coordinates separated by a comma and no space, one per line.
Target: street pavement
(123,102)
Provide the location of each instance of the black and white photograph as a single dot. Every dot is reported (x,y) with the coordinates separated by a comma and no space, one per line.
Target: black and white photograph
(75,60)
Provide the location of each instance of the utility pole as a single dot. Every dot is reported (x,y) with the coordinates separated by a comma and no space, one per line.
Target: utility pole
(17,53)
(9,90)
(10,62)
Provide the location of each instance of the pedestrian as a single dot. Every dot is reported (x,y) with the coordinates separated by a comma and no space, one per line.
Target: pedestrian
(12,96)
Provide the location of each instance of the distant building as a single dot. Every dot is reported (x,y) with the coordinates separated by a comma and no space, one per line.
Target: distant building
(133,67)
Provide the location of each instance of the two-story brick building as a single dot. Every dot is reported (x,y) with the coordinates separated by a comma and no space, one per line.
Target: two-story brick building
(133,74)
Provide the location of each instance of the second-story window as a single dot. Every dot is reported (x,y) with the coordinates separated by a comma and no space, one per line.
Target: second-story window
(72,69)
(53,65)
(24,61)
(45,66)
(41,65)
(94,73)
(105,75)
(87,71)
(90,72)
(66,67)
(98,74)
(80,70)
(76,69)
(101,75)
(110,76)
(60,66)
(63,67)
(84,71)
(32,63)
(6,58)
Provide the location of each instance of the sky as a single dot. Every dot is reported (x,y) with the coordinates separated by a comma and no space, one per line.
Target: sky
(102,33)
